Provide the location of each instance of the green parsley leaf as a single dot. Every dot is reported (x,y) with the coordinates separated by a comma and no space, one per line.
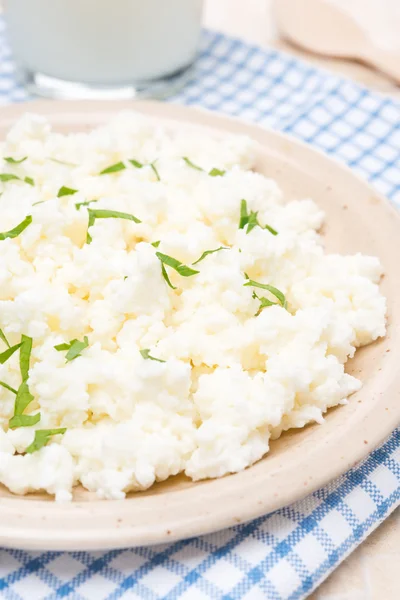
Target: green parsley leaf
(75,347)
(216,172)
(156,173)
(113,168)
(4,177)
(66,191)
(180,268)
(24,397)
(22,401)
(13,233)
(8,387)
(270,288)
(156,244)
(191,164)
(8,177)
(207,252)
(14,161)
(244,217)
(106,214)
(146,354)
(25,356)
(136,163)
(251,220)
(213,173)
(140,165)
(3,337)
(79,204)
(42,436)
(167,279)
(4,356)
(62,162)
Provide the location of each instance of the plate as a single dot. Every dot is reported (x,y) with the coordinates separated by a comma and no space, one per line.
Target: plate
(357,219)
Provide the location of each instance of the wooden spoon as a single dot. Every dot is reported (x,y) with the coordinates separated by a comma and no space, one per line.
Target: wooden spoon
(344,29)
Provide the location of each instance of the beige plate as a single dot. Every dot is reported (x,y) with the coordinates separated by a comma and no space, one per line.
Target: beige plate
(358,219)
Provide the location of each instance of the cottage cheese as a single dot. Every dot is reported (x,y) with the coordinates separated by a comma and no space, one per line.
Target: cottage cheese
(231,380)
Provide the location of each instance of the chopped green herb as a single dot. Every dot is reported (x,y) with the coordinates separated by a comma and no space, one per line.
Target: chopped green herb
(113,168)
(270,288)
(79,204)
(8,387)
(156,173)
(251,220)
(14,161)
(74,348)
(66,191)
(3,337)
(42,436)
(63,162)
(191,164)
(140,165)
(4,177)
(167,279)
(216,172)
(8,177)
(180,268)
(25,356)
(207,252)
(24,397)
(156,244)
(41,202)
(13,233)
(136,163)
(106,214)
(4,356)
(146,354)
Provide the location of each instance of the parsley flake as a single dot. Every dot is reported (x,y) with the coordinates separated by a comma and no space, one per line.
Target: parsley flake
(265,301)
(140,165)
(106,214)
(24,397)
(175,264)
(66,191)
(113,168)
(14,161)
(146,354)
(216,172)
(213,173)
(86,203)
(74,348)
(207,252)
(8,177)
(251,220)
(62,162)
(42,436)
(191,164)
(4,177)
(13,233)
(3,337)
(136,163)
(4,356)
(155,171)
(8,387)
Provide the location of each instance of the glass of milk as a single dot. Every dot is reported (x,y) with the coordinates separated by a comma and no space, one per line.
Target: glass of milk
(103,48)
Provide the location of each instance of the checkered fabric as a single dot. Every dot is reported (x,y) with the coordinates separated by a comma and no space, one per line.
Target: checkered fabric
(284,555)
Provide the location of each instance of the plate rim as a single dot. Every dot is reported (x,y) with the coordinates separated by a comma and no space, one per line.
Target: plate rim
(120,533)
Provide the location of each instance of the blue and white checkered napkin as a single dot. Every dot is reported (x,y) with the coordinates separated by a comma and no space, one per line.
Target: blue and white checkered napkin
(286,554)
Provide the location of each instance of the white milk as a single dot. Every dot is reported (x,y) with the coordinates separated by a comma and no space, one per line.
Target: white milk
(104,42)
